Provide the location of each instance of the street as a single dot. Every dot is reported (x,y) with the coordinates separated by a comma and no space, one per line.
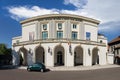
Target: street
(22,74)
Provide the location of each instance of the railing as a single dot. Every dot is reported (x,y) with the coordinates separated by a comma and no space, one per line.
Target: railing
(63,40)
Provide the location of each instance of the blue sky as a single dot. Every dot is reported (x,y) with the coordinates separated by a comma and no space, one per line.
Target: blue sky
(13,11)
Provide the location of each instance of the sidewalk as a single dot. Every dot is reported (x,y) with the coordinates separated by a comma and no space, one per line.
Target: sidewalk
(77,68)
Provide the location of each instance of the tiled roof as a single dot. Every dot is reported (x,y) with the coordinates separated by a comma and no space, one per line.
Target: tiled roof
(115,40)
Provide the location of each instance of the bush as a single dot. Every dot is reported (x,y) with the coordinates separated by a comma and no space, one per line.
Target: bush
(5,59)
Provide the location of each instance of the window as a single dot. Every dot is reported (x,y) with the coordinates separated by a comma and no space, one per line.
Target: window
(88,35)
(74,26)
(101,41)
(59,25)
(44,35)
(17,42)
(74,35)
(31,36)
(59,34)
(44,26)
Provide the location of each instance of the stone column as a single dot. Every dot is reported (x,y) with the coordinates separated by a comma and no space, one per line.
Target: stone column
(82,31)
(36,30)
(88,56)
(69,29)
(53,29)
(50,32)
(39,31)
(65,33)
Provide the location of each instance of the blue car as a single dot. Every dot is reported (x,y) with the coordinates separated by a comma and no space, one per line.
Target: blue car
(36,67)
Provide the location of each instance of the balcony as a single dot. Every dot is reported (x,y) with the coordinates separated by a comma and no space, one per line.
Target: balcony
(64,40)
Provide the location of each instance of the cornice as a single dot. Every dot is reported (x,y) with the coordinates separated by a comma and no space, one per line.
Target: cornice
(60,41)
(61,17)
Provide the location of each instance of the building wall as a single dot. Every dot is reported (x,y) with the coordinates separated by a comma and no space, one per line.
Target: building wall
(35,29)
(52,28)
(68,57)
(28,28)
(93,30)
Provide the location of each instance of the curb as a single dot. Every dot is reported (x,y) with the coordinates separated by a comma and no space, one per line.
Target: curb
(77,68)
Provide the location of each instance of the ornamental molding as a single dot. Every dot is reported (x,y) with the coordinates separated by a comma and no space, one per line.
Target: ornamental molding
(60,17)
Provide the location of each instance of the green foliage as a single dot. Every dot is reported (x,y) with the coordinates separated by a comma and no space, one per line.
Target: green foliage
(5,55)
(4,50)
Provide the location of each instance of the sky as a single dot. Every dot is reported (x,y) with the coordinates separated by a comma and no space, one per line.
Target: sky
(13,11)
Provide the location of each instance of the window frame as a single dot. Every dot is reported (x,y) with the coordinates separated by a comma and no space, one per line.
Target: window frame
(59,25)
(46,35)
(75,35)
(88,36)
(44,26)
(59,37)
(74,26)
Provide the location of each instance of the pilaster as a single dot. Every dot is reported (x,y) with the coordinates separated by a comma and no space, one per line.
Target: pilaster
(82,31)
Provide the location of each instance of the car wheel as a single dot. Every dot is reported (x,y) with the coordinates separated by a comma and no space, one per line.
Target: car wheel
(28,69)
(42,70)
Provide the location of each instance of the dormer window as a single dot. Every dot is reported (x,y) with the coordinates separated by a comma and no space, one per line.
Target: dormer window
(44,26)
(59,25)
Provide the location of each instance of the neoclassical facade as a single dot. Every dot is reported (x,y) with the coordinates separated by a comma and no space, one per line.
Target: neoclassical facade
(60,40)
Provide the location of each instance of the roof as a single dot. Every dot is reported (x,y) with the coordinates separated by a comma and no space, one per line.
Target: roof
(60,15)
(114,41)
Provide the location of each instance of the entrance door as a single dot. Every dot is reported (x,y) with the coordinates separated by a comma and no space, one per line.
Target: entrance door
(40,55)
(59,58)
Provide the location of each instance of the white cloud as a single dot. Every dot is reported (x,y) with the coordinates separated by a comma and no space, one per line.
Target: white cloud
(76,3)
(104,10)
(27,12)
(22,12)
(107,11)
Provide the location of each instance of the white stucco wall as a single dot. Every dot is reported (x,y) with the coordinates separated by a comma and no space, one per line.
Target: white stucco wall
(27,28)
(110,58)
(103,55)
(93,30)
(67,28)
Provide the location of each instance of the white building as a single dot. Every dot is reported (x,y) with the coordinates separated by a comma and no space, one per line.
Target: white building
(60,40)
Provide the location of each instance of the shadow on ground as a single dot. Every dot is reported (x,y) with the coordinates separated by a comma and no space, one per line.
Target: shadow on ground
(47,70)
(6,67)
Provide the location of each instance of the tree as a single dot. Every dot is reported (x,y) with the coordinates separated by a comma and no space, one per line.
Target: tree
(5,54)
(4,50)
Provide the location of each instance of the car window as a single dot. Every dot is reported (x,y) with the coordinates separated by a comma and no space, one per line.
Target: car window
(35,65)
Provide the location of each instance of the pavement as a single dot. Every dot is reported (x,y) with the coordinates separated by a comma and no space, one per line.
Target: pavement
(77,68)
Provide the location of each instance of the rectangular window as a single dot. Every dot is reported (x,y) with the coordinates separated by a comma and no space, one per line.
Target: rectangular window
(74,35)
(74,26)
(59,25)
(31,36)
(44,26)
(44,35)
(59,34)
(17,42)
(88,35)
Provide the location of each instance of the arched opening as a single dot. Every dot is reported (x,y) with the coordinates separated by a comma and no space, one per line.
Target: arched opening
(23,56)
(78,56)
(59,56)
(95,56)
(40,55)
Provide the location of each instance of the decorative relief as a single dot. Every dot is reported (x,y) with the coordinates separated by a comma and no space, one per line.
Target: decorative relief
(60,18)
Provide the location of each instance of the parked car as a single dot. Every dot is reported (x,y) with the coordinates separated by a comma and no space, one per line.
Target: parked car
(36,67)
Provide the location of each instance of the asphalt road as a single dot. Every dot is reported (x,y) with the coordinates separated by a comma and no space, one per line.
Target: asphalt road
(101,74)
